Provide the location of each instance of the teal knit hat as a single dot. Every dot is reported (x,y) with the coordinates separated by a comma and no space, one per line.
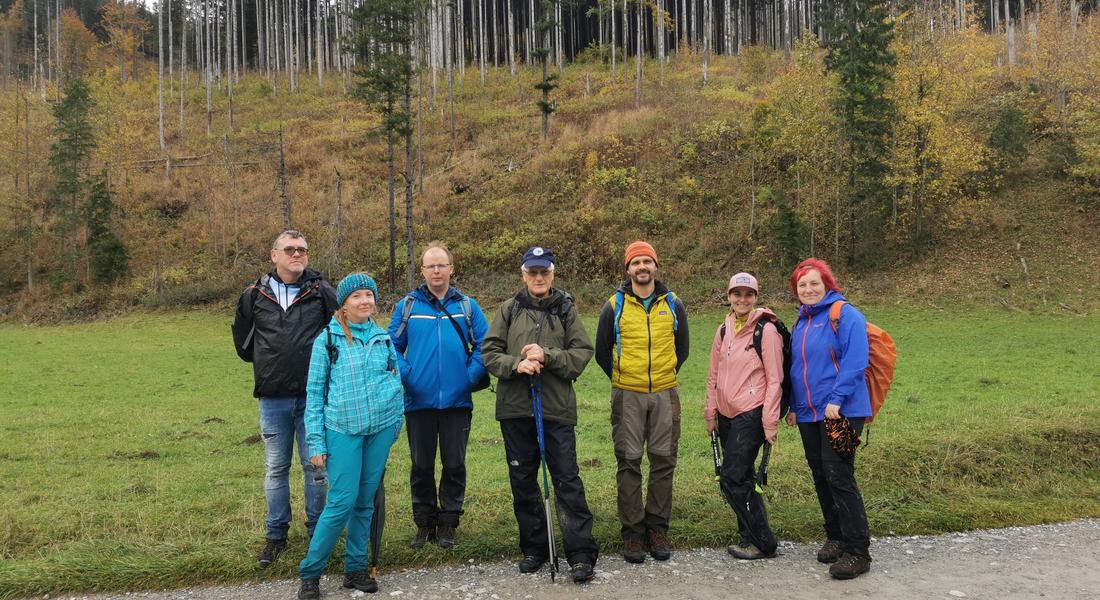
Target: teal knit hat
(353,283)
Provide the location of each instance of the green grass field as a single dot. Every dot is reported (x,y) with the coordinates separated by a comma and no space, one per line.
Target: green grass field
(130,457)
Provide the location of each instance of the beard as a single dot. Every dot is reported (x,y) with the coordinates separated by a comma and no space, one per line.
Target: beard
(642,277)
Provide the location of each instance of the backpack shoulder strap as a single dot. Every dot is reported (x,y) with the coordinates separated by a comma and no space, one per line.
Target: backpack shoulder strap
(617,302)
(834,314)
(468,312)
(670,298)
(758,336)
(406,312)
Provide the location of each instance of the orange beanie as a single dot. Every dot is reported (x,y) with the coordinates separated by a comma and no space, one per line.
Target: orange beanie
(640,248)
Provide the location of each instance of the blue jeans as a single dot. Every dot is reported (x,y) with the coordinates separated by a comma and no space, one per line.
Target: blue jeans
(281,423)
(357,464)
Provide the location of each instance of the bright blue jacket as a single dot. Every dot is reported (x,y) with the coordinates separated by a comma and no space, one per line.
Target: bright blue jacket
(364,392)
(827,367)
(432,356)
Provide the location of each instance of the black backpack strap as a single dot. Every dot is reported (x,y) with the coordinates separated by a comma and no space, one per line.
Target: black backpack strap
(466,344)
(333,355)
(758,337)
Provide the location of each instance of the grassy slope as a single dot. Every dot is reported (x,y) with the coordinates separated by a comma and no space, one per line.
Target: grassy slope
(129,457)
(503,189)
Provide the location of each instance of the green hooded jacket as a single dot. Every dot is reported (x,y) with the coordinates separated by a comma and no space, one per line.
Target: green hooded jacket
(564,340)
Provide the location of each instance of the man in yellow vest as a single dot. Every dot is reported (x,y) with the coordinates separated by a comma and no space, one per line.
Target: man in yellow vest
(641,342)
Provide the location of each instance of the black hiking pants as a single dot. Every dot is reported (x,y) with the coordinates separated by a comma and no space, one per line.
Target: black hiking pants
(521,447)
(742,438)
(448,430)
(835,481)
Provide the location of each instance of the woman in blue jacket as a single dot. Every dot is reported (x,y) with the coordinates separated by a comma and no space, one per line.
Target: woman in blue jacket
(353,416)
(829,401)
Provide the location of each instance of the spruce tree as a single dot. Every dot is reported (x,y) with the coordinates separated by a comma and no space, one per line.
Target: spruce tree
(383,42)
(108,258)
(69,157)
(543,28)
(859,55)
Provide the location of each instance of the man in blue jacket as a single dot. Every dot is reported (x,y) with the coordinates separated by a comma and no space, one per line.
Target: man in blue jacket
(437,331)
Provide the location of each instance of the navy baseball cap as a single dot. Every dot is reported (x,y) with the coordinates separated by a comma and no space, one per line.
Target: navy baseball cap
(538,257)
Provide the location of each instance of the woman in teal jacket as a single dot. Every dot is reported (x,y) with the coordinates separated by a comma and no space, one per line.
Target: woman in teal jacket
(353,415)
(829,395)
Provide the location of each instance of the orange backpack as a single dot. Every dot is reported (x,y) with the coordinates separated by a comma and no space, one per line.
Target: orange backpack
(882,355)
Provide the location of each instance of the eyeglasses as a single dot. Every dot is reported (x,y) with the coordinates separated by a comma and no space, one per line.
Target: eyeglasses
(438,267)
(292,250)
(537,273)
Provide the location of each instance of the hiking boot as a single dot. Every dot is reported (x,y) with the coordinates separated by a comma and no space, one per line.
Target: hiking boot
(747,551)
(423,534)
(633,551)
(531,564)
(445,536)
(310,589)
(360,580)
(659,546)
(850,566)
(582,572)
(272,550)
(830,552)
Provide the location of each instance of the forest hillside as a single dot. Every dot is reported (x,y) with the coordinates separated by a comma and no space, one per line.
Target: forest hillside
(131,183)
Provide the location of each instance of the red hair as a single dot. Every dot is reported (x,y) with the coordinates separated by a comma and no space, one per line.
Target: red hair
(813,264)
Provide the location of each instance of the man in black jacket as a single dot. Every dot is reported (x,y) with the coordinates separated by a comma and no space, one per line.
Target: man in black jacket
(276,321)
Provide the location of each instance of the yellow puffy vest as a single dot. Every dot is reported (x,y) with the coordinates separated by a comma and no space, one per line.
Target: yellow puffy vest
(644,351)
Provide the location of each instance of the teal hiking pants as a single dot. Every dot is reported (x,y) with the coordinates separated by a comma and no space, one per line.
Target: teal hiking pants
(355,467)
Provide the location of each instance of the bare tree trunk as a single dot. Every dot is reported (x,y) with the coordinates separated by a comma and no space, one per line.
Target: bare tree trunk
(208,59)
(638,62)
(410,180)
(183,68)
(230,58)
(338,243)
(29,231)
(511,39)
(171,52)
(284,191)
(160,73)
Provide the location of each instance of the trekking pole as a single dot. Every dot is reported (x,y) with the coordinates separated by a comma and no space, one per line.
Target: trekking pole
(717,456)
(377,525)
(762,472)
(536,400)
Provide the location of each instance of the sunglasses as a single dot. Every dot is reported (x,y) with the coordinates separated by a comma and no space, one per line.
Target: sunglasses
(292,250)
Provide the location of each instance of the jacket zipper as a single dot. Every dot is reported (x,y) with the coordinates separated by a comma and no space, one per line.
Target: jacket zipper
(649,350)
(805,367)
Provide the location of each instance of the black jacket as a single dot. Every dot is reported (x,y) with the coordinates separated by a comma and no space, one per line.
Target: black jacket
(278,343)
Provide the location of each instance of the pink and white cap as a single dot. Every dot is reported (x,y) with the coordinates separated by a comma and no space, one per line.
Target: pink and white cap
(743,280)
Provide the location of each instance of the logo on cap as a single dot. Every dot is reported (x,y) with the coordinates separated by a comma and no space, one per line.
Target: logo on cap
(537,251)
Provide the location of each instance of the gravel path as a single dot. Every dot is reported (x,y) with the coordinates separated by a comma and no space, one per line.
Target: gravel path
(1051,561)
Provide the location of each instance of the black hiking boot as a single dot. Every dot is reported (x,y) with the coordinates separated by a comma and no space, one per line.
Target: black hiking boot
(850,566)
(445,536)
(659,546)
(360,580)
(830,552)
(582,572)
(272,550)
(423,536)
(531,564)
(633,551)
(310,589)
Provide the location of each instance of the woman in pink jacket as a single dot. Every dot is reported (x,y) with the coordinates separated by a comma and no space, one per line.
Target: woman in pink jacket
(743,393)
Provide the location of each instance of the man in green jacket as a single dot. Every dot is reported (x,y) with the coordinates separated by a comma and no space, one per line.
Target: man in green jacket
(537,339)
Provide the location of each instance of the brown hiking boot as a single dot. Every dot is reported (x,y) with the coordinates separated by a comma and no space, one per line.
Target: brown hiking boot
(659,546)
(830,552)
(850,566)
(633,551)
(747,551)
